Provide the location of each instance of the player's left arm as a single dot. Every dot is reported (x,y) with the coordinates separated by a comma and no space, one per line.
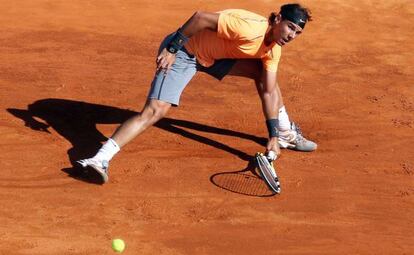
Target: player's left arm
(271,98)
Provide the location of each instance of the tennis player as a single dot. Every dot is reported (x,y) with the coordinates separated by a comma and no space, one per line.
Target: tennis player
(232,42)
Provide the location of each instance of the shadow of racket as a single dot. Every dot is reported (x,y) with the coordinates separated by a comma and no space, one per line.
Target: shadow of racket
(245,182)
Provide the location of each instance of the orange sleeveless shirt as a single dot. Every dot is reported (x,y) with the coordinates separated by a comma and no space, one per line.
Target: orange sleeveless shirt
(240,34)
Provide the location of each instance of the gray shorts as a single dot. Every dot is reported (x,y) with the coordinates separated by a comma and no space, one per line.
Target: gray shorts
(169,87)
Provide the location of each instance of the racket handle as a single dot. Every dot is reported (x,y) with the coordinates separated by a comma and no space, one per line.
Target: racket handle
(271,156)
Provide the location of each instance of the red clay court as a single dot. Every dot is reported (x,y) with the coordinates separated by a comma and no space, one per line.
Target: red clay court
(72,71)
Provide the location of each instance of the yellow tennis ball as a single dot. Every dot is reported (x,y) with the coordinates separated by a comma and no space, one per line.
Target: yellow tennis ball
(118,245)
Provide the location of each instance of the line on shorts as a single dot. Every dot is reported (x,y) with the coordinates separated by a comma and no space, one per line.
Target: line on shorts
(162,84)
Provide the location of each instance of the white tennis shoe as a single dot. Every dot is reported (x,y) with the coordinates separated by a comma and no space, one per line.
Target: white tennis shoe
(100,166)
(294,140)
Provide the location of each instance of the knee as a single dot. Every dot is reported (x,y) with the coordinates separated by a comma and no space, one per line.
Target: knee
(155,110)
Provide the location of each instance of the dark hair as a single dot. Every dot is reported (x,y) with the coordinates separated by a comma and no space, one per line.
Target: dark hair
(292,10)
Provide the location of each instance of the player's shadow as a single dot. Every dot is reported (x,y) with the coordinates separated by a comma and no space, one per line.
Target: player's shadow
(246,182)
(76,121)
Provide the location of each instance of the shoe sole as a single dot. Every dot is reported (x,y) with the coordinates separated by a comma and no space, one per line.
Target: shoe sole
(286,145)
(290,146)
(99,170)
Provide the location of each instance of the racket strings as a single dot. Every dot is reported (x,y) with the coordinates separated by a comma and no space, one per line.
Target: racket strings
(269,173)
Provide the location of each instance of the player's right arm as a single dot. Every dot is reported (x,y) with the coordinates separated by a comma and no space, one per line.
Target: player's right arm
(199,21)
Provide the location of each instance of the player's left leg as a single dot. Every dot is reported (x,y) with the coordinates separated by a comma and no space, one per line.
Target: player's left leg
(290,135)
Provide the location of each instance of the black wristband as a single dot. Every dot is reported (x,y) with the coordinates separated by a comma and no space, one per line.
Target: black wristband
(177,42)
(273,127)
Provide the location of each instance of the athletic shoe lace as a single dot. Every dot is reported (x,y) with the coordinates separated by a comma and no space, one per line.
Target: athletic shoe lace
(299,137)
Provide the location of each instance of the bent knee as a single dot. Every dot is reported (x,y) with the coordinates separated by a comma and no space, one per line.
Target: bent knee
(156,109)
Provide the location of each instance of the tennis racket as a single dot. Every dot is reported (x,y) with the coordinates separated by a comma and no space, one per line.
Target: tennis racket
(268,172)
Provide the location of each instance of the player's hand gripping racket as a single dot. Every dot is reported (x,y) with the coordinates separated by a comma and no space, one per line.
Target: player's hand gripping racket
(267,170)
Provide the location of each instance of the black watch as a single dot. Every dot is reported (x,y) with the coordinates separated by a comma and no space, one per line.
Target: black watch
(172,49)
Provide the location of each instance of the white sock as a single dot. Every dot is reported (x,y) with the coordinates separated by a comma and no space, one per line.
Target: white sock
(108,150)
(284,122)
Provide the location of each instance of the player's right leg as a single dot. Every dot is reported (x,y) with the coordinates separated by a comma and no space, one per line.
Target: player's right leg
(153,111)
(166,89)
